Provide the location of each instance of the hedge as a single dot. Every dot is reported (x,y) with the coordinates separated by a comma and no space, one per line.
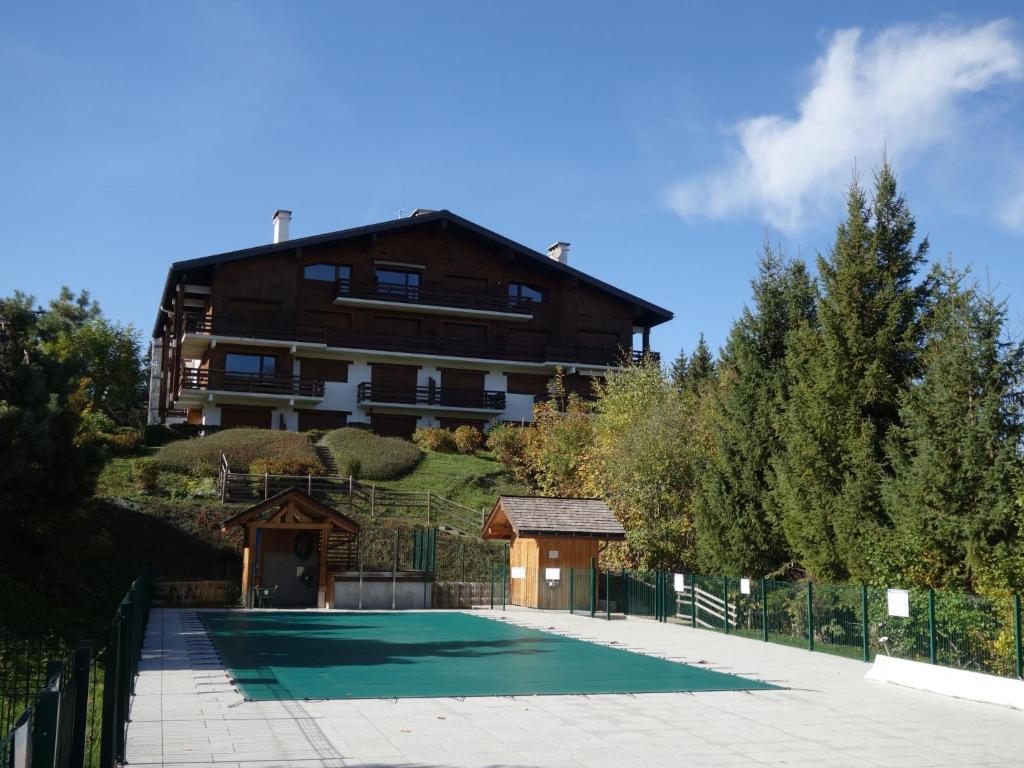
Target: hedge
(257,450)
(367,456)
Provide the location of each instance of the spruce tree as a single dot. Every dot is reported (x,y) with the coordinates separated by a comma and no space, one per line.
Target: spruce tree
(952,498)
(847,374)
(737,529)
(701,366)
(678,372)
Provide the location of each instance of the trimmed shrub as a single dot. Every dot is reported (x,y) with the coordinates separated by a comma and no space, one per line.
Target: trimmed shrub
(145,474)
(281,450)
(357,451)
(435,439)
(468,439)
(315,435)
(159,434)
(124,441)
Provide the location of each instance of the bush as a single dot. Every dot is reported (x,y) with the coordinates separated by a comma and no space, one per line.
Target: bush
(373,457)
(508,444)
(243,447)
(158,434)
(315,435)
(435,439)
(286,465)
(145,474)
(468,439)
(124,441)
(359,425)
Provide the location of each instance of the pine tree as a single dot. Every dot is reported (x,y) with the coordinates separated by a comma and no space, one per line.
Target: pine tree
(847,376)
(701,366)
(679,370)
(737,529)
(951,498)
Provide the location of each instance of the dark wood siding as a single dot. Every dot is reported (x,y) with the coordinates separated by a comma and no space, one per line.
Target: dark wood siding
(246,416)
(393,425)
(526,384)
(311,419)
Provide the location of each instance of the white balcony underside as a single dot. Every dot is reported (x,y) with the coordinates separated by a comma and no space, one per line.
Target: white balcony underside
(199,341)
(199,397)
(425,408)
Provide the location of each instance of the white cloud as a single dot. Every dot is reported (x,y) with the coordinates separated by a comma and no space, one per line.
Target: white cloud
(1012,213)
(903,90)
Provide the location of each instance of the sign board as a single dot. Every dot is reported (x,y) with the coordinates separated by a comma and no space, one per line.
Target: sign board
(679,582)
(552,554)
(518,572)
(552,574)
(899,602)
(744,586)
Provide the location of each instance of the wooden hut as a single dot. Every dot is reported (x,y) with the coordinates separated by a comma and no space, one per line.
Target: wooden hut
(549,540)
(293,545)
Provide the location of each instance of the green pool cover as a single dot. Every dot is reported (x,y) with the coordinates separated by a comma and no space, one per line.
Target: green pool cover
(274,656)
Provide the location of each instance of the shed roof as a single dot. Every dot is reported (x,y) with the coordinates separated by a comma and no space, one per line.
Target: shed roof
(299,500)
(537,515)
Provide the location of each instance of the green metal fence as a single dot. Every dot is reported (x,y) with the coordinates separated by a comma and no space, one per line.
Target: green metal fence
(76,713)
(960,630)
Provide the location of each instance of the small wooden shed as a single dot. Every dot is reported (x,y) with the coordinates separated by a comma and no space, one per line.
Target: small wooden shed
(293,544)
(549,539)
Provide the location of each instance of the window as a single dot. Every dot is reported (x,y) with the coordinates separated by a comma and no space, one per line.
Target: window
(329,273)
(395,282)
(521,293)
(250,365)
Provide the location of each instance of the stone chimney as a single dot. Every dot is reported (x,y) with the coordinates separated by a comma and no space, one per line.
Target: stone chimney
(282,221)
(559,252)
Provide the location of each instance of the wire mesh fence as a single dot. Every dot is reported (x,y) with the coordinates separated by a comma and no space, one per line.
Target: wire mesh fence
(959,630)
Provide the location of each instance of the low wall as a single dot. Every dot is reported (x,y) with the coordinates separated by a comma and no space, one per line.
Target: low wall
(461,594)
(382,591)
(944,681)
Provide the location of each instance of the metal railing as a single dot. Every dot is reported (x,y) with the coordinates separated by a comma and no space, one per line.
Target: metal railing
(254,383)
(483,399)
(76,714)
(414,294)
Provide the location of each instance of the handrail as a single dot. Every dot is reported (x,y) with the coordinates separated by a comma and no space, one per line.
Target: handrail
(431,395)
(206,378)
(415,294)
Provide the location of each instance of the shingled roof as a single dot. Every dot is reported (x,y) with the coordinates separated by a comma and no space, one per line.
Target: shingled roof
(535,515)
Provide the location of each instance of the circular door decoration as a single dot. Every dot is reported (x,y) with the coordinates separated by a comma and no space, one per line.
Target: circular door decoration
(303,545)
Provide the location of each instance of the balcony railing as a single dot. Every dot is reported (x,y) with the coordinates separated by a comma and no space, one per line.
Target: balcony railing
(226,381)
(424,345)
(415,294)
(482,399)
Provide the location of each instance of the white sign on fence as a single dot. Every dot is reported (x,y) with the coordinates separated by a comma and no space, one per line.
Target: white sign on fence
(552,574)
(679,582)
(518,572)
(552,554)
(899,602)
(744,586)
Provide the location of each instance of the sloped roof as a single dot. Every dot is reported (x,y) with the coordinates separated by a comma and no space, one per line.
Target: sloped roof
(537,515)
(651,313)
(302,500)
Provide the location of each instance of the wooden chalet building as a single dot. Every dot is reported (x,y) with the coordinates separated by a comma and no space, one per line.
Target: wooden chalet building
(429,320)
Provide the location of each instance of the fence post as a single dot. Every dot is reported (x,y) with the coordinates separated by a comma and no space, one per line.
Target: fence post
(492,586)
(309,484)
(373,499)
(810,616)
(693,600)
(44,720)
(725,602)
(764,609)
(608,595)
(428,506)
(504,579)
(572,590)
(932,656)
(865,651)
(80,671)
(593,587)
(266,485)
(624,592)
(1017,635)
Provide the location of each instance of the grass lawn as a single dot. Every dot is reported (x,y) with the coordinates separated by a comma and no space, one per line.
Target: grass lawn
(474,481)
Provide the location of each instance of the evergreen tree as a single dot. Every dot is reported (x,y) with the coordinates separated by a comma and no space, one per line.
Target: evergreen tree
(701,367)
(679,370)
(737,529)
(951,498)
(847,375)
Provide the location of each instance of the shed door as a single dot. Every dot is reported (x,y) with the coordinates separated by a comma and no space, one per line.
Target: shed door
(462,388)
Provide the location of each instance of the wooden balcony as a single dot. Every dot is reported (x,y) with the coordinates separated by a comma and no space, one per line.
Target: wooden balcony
(247,383)
(419,297)
(413,345)
(441,397)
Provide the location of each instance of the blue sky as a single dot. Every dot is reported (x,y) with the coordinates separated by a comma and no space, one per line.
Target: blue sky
(662,140)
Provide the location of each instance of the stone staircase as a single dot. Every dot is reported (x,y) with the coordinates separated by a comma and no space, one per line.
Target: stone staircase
(327,459)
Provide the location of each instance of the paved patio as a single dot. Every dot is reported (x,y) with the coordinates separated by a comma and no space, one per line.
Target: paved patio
(186,713)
